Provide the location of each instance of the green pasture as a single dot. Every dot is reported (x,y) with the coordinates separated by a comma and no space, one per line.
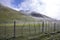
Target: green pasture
(25,30)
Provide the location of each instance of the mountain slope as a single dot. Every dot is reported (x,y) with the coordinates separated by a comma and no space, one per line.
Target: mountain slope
(37,16)
(8,15)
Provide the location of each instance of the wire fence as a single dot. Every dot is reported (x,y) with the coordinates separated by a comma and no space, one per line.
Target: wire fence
(26,29)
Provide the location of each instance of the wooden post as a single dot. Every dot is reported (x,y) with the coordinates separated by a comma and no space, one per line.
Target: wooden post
(5,31)
(54,27)
(47,27)
(29,30)
(14,29)
(34,28)
(22,29)
(39,27)
(42,27)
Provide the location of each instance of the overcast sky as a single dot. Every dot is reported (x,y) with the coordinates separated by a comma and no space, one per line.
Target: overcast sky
(50,8)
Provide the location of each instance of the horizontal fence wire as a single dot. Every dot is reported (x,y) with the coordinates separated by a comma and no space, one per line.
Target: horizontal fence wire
(26,29)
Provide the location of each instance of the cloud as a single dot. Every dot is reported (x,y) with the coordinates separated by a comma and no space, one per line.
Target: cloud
(47,7)
(50,8)
(32,5)
(6,2)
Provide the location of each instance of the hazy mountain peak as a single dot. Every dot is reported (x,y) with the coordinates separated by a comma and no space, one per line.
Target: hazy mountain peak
(8,14)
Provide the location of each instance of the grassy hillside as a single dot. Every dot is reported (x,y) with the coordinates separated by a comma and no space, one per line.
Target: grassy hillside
(8,15)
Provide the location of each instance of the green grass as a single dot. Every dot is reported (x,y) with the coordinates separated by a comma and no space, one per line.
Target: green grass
(22,31)
(9,28)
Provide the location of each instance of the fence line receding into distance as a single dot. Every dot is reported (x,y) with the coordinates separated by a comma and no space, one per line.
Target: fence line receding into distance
(27,29)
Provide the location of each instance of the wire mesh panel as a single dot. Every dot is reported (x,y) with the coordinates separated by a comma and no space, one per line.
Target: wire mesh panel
(27,29)
(9,31)
(58,26)
(2,31)
(6,31)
